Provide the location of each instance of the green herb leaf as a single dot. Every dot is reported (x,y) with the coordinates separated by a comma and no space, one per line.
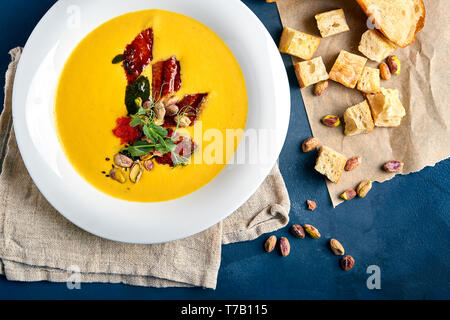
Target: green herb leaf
(180,160)
(140,148)
(154,132)
(136,121)
(118,59)
(140,88)
(141,111)
(166,147)
(149,133)
(138,102)
(157,129)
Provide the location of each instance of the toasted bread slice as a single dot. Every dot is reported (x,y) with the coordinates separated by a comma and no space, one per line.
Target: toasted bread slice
(398,20)
(358,119)
(330,163)
(299,44)
(310,72)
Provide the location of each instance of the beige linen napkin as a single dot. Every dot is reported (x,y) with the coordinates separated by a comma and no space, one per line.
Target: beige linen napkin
(37,243)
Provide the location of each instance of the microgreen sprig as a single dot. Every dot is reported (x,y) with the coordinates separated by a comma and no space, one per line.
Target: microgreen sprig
(157,136)
(185,111)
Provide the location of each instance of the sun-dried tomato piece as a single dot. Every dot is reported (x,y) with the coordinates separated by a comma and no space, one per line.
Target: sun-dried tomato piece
(190,106)
(172,76)
(138,55)
(166,78)
(157,72)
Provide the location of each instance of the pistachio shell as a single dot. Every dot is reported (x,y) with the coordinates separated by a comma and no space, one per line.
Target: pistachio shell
(385,73)
(347,262)
(284,246)
(310,144)
(348,194)
(183,120)
(270,243)
(122,160)
(147,104)
(118,174)
(148,165)
(160,112)
(136,172)
(337,247)
(138,101)
(363,188)
(394,65)
(312,231)
(170,101)
(320,87)
(393,166)
(172,110)
(331,121)
(146,157)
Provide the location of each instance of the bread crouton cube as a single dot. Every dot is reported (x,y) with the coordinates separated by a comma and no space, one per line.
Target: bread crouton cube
(330,163)
(375,46)
(386,107)
(331,22)
(299,44)
(370,80)
(310,72)
(358,119)
(347,69)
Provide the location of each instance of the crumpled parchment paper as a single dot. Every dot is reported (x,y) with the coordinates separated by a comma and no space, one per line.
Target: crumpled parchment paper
(423,138)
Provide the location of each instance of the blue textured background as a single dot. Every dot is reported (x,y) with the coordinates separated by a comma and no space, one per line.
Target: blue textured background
(402,226)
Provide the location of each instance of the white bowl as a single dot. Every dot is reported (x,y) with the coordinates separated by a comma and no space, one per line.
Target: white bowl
(45,53)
